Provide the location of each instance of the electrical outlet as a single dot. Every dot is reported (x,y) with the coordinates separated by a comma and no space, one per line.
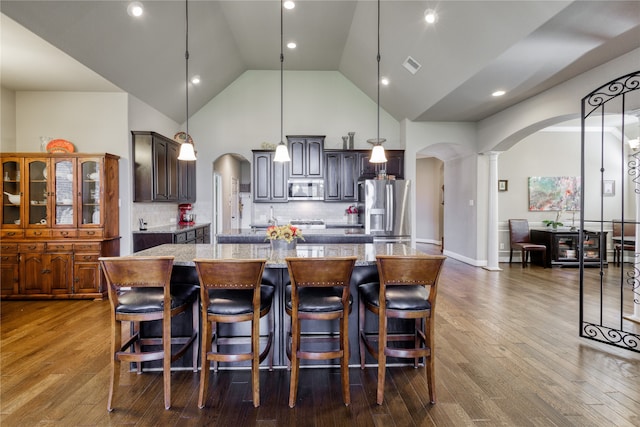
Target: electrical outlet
(501,245)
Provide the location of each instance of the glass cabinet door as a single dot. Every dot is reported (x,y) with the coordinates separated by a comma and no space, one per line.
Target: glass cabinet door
(37,192)
(11,192)
(91,191)
(65,199)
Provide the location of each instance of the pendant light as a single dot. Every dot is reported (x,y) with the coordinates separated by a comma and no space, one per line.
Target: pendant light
(282,152)
(377,153)
(186,148)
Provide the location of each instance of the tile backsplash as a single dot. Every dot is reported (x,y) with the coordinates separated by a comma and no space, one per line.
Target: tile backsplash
(334,212)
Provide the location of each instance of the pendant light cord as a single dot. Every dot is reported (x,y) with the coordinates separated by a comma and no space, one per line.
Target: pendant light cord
(378,60)
(281,71)
(186,67)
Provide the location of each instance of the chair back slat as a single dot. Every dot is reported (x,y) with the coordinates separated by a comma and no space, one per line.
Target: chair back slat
(519,231)
(629,228)
(399,270)
(137,272)
(321,272)
(230,273)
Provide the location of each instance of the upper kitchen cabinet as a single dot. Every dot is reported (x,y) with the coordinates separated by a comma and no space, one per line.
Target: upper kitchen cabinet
(307,155)
(269,178)
(394,165)
(341,175)
(158,174)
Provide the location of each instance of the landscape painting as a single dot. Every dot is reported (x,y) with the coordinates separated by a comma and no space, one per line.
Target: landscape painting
(554,193)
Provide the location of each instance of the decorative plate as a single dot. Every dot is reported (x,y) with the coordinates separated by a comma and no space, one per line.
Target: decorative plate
(60,146)
(181,137)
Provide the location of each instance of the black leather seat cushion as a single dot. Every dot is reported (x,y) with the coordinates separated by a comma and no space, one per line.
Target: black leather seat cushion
(405,297)
(238,301)
(148,300)
(317,300)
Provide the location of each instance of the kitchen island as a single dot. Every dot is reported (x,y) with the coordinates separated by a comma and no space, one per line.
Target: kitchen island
(277,275)
(319,236)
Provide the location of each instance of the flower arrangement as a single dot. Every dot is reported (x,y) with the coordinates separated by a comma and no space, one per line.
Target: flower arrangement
(554,224)
(284,232)
(352,210)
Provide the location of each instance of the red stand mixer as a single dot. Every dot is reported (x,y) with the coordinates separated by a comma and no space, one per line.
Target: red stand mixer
(186,216)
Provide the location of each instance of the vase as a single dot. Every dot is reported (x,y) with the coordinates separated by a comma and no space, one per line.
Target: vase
(282,245)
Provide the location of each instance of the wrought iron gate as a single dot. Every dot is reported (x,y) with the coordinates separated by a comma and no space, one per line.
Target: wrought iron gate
(610,296)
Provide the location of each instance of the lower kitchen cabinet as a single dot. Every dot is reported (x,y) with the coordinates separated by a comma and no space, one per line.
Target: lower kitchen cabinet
(200,233)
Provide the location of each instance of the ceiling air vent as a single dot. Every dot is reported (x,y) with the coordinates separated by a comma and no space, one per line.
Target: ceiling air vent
(411,64)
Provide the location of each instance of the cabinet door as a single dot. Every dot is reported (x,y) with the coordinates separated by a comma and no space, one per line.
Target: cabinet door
(86,274)
(91,194)
(37,193)
(64,200)
(59,271)
(307,156)
(187,181)
(32,279)
(349,176)
(9,274)
(11,213)
(395,163)
(332,180)
(160,153)
(297,154)
(173,150)
(278,181)
(261,177)
(314,157)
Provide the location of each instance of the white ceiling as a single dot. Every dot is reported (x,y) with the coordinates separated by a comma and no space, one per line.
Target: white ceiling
(476,47)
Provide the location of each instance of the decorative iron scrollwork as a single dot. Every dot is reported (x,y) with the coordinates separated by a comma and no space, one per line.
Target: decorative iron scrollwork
(611,90)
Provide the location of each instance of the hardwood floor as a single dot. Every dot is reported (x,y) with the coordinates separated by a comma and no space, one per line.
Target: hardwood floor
(507,353)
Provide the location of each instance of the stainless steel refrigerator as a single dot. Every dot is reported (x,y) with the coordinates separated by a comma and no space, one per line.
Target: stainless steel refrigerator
(383,208)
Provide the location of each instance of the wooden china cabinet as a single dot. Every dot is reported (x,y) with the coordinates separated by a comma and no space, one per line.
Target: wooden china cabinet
(59,215)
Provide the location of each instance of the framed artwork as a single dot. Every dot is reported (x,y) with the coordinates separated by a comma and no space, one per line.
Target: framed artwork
(554,193)
(503,185)
(608,188)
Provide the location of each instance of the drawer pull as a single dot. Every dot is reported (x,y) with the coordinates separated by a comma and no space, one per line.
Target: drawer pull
(91,233)
(11,233)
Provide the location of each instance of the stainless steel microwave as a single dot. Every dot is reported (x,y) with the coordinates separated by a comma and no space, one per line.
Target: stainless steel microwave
(306,189)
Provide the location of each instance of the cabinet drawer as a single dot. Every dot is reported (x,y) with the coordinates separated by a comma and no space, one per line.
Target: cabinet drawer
(8,259)
(181,238)
(11,234)
(90,233)
(191,235)
(31,247)
(64,234)
(8,248)
(38,234)
(87,247)
(55,247)
(86,257)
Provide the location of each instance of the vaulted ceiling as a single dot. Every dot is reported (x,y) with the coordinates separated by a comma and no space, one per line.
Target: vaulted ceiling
(475,48)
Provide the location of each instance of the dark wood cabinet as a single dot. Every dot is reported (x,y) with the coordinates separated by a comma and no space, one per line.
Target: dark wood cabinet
(269,178)
(564,248)
(200,233)
(341,175)
(158,174)
(68,216)
(307,156)
(394,165)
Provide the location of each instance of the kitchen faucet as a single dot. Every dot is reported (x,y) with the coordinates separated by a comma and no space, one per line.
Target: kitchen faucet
(272,219)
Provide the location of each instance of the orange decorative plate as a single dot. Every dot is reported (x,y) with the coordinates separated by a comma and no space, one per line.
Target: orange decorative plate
(60,146)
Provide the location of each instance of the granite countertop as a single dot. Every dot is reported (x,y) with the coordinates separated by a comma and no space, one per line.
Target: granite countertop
(328,235)
(171,228)
(366,253)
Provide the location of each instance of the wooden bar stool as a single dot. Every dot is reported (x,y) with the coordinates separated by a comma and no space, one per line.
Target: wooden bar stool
(139,291)
(319,290)
(401,293)
(231,292)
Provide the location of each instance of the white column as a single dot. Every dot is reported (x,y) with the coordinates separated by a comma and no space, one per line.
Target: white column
(492,226)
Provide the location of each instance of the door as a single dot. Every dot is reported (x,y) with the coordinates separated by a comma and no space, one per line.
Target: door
(235,204)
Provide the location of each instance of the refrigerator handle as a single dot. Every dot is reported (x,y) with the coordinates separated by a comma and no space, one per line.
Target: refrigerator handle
(389,207)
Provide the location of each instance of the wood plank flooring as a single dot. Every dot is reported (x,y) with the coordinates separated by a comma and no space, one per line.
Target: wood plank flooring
(507,354)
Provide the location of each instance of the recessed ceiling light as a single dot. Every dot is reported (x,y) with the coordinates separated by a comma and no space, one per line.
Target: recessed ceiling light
(384,81)
(289,4)
(291,45)
(195,79)
(430,16)
(498,93)
(135,9)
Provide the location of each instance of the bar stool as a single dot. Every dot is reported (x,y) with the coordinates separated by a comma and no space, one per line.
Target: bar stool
(139,291)
(231,292)
(319,290)
(401,293)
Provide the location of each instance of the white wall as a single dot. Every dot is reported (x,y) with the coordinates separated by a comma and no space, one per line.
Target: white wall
(428,188)
(7,120)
